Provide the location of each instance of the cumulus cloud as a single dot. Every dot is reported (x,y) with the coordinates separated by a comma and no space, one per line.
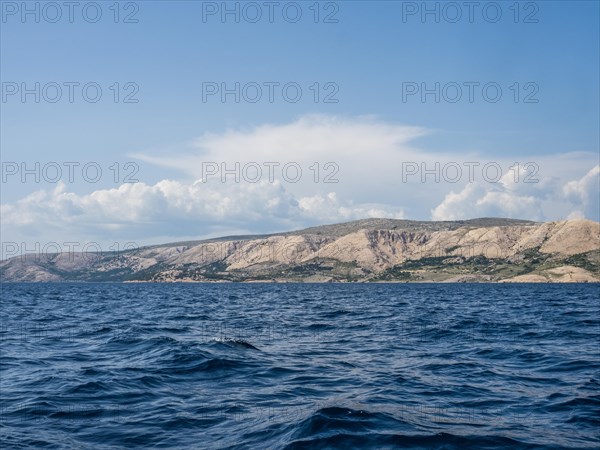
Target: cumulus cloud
(544,200)
(585,193)
(369,158)
(171,207)
(372,160)
(477,200)
(328,208)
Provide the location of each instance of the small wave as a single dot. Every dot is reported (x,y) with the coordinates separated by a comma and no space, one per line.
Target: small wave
(90,387)
(219,365)
(298,366)
(240,343)
(337,420)
(570,366)
(321,326)
(389,441)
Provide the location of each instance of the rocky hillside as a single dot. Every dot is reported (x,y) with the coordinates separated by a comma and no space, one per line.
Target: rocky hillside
(502,250)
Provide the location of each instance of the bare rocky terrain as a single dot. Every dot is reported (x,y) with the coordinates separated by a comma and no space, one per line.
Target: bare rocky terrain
(370,250)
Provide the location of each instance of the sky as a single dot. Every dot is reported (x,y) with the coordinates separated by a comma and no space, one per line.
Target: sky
(154,121)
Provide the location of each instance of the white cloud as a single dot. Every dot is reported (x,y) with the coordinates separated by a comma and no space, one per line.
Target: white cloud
(477,200)
(306,140)
(173,208)
(328,209)
(585,193)
(370,155)
(364,149)
(545,200)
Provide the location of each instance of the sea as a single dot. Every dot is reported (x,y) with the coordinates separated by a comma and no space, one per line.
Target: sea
(299,366)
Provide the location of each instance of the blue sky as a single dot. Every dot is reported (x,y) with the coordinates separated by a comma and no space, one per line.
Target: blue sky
(368,54)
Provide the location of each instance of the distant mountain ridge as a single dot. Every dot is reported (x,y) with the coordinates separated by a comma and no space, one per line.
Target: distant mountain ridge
(368,250)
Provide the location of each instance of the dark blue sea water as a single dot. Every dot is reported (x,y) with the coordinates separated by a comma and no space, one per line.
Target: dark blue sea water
(300,366)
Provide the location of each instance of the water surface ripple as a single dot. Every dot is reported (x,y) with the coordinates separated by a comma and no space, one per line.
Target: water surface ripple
(290,366)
